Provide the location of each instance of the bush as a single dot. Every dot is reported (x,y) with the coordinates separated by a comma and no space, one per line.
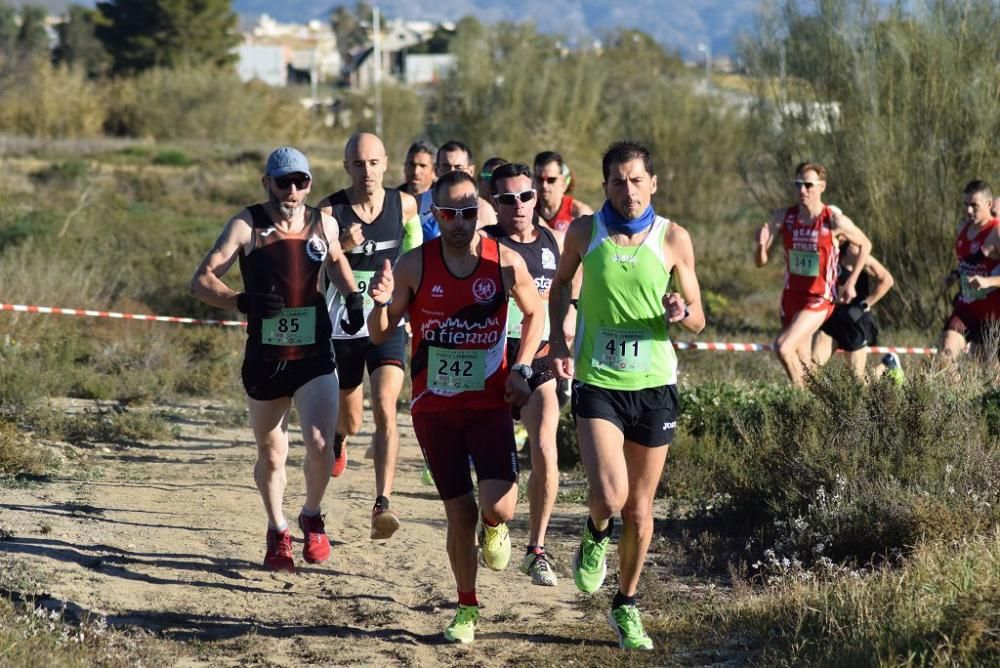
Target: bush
(50,101)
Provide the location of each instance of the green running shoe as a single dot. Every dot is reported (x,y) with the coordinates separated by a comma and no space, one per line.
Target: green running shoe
(626,623)
(590,563)
(463,628)
(494,546)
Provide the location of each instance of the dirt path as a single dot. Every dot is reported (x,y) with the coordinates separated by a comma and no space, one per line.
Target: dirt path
(168,536)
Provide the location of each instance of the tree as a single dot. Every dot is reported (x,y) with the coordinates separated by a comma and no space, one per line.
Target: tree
(78,43)
(142,34)
(32,39)
(352,28)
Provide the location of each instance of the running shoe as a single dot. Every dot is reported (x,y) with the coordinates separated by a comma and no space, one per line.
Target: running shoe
(463,628)
(316,544)
(279,551)
(339,460)
(494,546)
(624,620)
(590,563)
(538,567)
(384,523)
(426,477)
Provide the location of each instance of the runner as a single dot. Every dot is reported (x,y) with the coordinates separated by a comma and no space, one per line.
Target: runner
(418,169)
(281,245)
(484,184)
(852,326)
(811,234)
(539,247)
(995,209)
(625,394)
(452,156)
(556,207)
(372,230)
(455,292)
(978,250)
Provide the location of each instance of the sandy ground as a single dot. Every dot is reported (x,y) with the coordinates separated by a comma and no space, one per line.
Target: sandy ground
(169,536)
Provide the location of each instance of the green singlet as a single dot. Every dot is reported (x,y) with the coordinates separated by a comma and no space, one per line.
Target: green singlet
(621,332)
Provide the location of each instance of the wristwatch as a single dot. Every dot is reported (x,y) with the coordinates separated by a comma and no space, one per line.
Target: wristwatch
(524,370)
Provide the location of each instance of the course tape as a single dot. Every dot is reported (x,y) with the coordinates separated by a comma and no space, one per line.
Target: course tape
(679,345)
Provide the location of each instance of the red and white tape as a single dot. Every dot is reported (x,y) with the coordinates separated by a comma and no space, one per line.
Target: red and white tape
(25,308)
(679,345)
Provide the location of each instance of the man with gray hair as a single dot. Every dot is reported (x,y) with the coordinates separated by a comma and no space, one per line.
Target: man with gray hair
(281,246)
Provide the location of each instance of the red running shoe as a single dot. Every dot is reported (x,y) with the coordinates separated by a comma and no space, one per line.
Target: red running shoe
(279,551)
(339,460)
(317,545)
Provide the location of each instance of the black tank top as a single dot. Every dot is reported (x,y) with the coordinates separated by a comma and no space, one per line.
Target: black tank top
(383,240)
(863,287)
(287,264)
(541,256)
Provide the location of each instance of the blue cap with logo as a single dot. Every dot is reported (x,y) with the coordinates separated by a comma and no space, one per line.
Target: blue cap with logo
(287,160)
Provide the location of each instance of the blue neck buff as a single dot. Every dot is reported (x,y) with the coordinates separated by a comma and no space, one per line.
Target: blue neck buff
(619,225)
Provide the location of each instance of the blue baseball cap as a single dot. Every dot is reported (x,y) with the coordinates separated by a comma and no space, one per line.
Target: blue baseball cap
(287,160)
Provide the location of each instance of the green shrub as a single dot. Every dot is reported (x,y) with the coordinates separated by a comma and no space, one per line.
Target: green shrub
(172,158)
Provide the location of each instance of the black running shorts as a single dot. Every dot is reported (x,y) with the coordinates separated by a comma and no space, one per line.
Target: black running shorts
(353,355)
(267,380)
(646,417)
(848,333)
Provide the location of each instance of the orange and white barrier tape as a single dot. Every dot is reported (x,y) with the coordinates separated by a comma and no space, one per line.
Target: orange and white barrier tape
(679,345)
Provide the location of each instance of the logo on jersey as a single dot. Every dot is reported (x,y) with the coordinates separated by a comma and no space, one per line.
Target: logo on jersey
(437,291)
(974,246)
(625,258)
(669,425)
(548,259)
(368,248)
(543,284)
(484,290)
(459,331)
(316,248)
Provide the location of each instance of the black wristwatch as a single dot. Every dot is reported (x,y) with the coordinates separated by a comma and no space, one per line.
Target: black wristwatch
(523,369)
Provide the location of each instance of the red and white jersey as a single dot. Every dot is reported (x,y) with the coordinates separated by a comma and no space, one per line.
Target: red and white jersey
(811,254)
(459,333)
(972,262)
(563,216)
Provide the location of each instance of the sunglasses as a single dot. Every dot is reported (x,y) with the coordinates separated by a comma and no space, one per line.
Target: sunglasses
(808,184)
(285,182)
(547,179)
(450,213)
(511,199)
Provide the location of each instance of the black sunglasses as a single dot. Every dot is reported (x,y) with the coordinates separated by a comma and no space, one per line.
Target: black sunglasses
(511,199)
(285,182)
(808,184)
(449,213)
(547,179)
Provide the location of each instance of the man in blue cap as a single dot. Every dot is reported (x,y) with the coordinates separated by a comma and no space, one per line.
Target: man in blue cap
(281,245)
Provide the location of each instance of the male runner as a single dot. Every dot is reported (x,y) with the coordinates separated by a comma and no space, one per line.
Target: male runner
(455,290)
(852,326)
(484,183)
(555,207)
(977,248)
(452,156)
(418,169)
(539,247)
(811,234)
(281,245)
(625,394)
(372,226)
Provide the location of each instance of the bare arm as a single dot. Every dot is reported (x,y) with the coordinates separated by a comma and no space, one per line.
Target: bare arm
(580,209)
(393,289)
(688,296)
(337,267)
(207,284)
(765,237)
(844,228)
(883,280)
(525,294)
(560,293)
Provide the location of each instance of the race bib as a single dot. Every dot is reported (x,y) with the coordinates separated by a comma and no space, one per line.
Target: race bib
(803,263)
(971,294)
(363,278)
(623,349)
(515,317)
(456,370)
(291,327)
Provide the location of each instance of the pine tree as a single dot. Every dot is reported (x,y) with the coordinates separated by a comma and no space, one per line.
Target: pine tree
(142,34)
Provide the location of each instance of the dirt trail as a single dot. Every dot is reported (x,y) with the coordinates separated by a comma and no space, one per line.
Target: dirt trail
(169,536)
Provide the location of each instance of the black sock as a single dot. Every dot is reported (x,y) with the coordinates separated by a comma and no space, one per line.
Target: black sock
(600,535)
(382,502)
(621,599)
(338,443)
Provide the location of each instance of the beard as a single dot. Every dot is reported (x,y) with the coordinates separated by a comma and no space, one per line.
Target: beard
(285,209)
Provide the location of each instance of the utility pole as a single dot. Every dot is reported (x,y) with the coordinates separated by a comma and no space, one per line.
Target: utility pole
(706,48)
(377,57)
